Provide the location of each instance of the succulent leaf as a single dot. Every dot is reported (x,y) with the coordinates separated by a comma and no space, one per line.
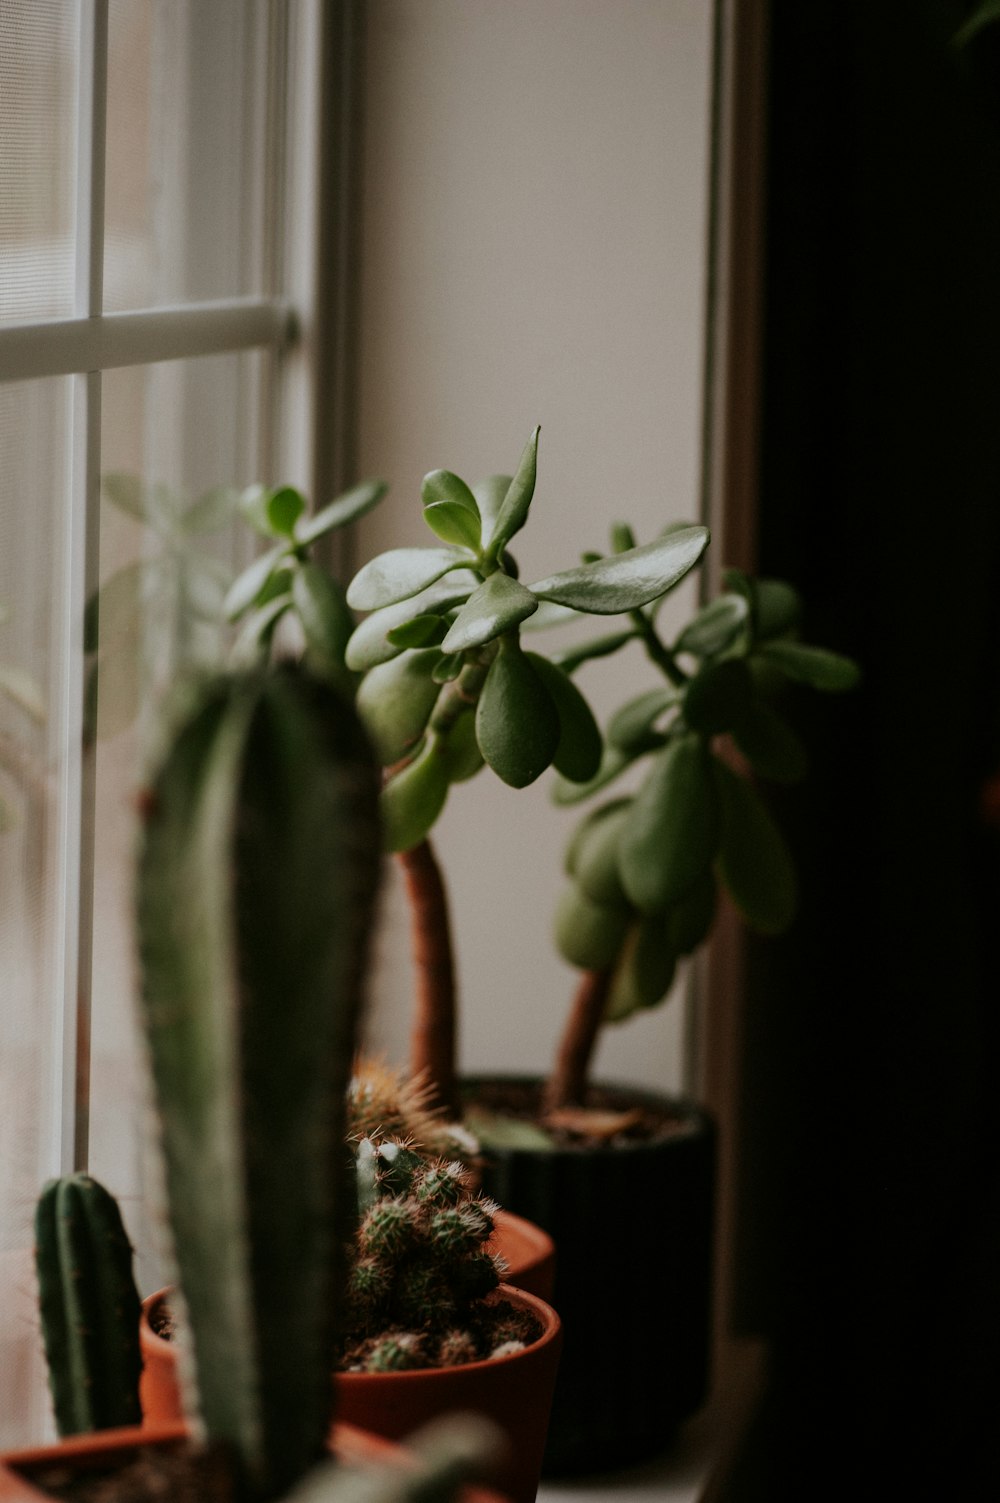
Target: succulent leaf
(754,862)
(578,752)
(671,833)
(626,581)
(499,604)
(517,723)
(401,573)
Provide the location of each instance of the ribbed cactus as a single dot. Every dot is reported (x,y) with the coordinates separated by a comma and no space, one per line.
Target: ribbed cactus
(89,1306)
(256,882)
(421,1271)
(385,1102)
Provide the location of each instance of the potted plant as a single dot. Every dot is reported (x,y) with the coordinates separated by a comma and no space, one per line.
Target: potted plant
(257,879)
(447,687)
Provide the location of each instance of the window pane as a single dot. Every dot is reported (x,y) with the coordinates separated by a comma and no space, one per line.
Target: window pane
(187,112)
(178,441)
(33,492)
(37,157)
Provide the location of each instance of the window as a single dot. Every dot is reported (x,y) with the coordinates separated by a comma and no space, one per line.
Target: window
(151,154)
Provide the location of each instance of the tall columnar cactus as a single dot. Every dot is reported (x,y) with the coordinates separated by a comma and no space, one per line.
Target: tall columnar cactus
(89,1306)
(256,882)
(421,1269)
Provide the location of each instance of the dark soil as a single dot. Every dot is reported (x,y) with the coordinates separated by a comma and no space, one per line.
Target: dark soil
(179,1474)
(642,1121)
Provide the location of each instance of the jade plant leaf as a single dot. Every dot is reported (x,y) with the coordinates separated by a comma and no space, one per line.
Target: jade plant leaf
(671,833)
(588,935)
(346,508)
(285,506)
(421,631)
(814,666)
(412,800)
(578,753)
(769,744)
(571,658)
(450,509)
(516,503)
(370,643)
(613,764)
(257,628)
(595,857)
(248,586)
(626,581)
(517,723)
(492,1130)
(754,862)
(489,494)
(715,627)
(718,697)
(327,622)
(448,667)
(499,604)
(400,573)
(689,921)
(395,700)
(460,749)
(777,608)
(580,834)
(645,970)
(629,726)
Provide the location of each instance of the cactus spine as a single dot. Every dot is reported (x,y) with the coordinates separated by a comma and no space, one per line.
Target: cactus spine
(256,884)
(89,1306)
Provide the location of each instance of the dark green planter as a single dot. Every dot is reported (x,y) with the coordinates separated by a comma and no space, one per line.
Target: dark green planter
(633,1234)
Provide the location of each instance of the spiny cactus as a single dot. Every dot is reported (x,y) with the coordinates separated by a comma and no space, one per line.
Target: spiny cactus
(89,1306)
(256,881)
(421,1272)
(384,1102)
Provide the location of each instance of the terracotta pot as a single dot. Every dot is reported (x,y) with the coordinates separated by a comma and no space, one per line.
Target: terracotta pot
(514,1391)
(529,1252)
(88,1452)
(633,1228)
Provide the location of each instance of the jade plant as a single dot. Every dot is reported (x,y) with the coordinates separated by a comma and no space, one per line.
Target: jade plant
(420,1269)
(645,868)
(88,1305)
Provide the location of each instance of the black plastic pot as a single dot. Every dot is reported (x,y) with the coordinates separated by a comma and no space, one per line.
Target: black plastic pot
(633,1233)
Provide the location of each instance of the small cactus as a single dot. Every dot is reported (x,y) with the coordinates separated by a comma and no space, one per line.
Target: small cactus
(417,1295)
(257,878)
(89,1306)
(385,1102)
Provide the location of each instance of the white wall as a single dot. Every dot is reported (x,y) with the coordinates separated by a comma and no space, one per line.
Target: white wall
(534,251)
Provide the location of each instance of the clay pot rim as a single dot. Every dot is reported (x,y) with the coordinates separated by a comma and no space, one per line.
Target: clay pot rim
(694,1120)
(544,1313)
(542,1244)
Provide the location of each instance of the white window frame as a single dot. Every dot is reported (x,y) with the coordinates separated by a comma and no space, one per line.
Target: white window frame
(305,318)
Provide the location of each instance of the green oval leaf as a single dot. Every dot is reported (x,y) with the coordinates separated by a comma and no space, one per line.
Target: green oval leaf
(247,587)
(516,503)
(613,764)
(401,573)
(622,537)
(489,494)
(814,666)
(346,508)
(592,818)
(460,749)
(285,505)
(715,628)
(578,753)
(517,724)
(395,701)
(571,658)
(448,667)
(327,622)
(718,696)
(769,744)
(630,726)
(421,631)
(253,641)
(689,922)
(587,935)
(450,509)
(412,800)
(671,832)
(644,973)
(595,858)
(370,642)
(629,580)
(499,604)
(777,608)
(754,862)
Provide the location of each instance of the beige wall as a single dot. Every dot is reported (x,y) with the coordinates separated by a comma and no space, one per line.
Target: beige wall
(534,251)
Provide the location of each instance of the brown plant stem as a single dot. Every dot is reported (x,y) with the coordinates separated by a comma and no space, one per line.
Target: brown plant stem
(433,1038)
(568,1082)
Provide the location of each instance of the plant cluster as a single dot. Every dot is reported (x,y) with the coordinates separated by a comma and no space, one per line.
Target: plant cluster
(421,1271)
